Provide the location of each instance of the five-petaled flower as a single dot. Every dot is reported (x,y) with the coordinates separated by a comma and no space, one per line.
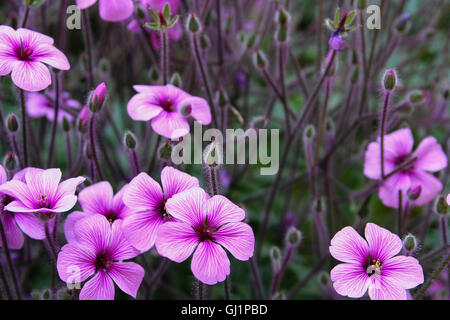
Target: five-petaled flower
(147,203)
(41,105)
(205,227)
(163,105)
(41,193)
(398,147)
(23,53)
(110,10)
(98,198)
(98,250)
(371,265)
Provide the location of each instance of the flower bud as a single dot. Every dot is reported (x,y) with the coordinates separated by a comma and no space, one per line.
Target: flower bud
(324,279)
(83,119)
(336,41)
(212,155)
(390,80)
(319,205)
(414,192)
(176,80)
(129,140)
(293,237)
(416,97)
(186,110)
(259,59)
(222,98)
(140,12)
(10,162)
(251,40)
(259,122)
(154,74)
(275,257)
(193,24)
(446,93)
(282,17)
(98,98)
(403,23)
(165,151)
(410,243)
(282,34)
(355,75)
(205,43)
(441,206)
(65,124)
(12,123)
(309,133)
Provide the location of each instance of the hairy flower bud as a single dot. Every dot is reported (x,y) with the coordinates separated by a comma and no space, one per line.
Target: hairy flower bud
(410,243)
(390,80)
(97,98)
(222,98)
(12,124)
(10,162)
(282,17)
(293,237)
(416,97)
(403,23)
(259,59)
(275,257)
(129,140)
(193,24)
(176,80)
(212,156)
(165,151)
(65,124)
(186,110)
(309,132)
(83,119)
(441,205)
(414,192)
(154,74)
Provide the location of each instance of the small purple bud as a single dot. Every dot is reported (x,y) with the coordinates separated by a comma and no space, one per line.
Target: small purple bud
(83,119)
(336,41)
(186,110)
(390,80)
(414,192)
(98,98)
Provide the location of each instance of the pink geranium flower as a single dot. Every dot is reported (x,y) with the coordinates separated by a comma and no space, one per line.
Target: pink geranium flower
(372,265)
(23,53)
(173,33)
(398,149)
(41,193)
(146,200)
(98,198)
(39,105)
(163,105)
(99,250)
(110,10)
(15,223)
(205,227)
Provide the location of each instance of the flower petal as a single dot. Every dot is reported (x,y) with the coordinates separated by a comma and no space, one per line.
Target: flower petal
(405,271)
(18,190)
(238,238)
(70,223)
(75,263)
(386,290)
(116,10)
(31,76)
(348,246)
(93,232)
(431,186)
(141,228)
(44,183)
(128,276)
(372,163)
(188,206)
(430,155)
(383,244)
(3,175)
(31,225)
(83,4)
(143,107)
(119,247)
(210,263)
(171,125)
(97,198)
(390,188)
(350,280)
(220,210)
(399,143)
(176,241)
(50,55)
(100,287)
(14,237)
(175,181)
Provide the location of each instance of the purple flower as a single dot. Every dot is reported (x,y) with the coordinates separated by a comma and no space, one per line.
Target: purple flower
(110,10)
(372,265)
(398,147)
(98,198)
(39,105)
(336,42)
(41,193)
(23,53)
(162,105)
(146,200)
(15,223)
(99,249)
(205,227)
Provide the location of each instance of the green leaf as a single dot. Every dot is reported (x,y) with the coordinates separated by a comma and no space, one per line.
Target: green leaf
(154,15)
(166,12)
(351,16)
(337,16)
(330,24)
(153,26)
(173,21)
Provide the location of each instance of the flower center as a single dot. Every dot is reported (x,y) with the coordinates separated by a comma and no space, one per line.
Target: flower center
(111,216)
(164,214)
(374,269)
(43,201)
(166,104)
(24,52)
(103,262)
(205,231)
